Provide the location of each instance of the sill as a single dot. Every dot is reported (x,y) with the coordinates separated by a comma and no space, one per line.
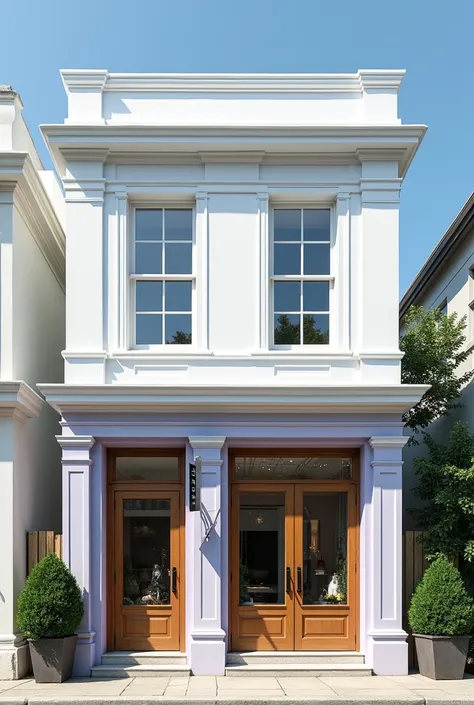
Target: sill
(306,351)
(170,353)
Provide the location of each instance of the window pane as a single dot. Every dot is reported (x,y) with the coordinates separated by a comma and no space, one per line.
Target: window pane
(324,549)
(262,548)
(287,329)
(292,468)
(316,224)
(287,259)
(315,296)
(178,224)
(287,225)
(149,329)
(178,329)
(178,258)
(148,224)
(178,296)
(148,258)
(316,259)
(146,551)
(287,296)
(149,296)
(316,329)
(147,468)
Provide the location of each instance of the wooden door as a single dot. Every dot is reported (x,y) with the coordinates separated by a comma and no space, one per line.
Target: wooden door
(263,541)
(325,603)
(147,570)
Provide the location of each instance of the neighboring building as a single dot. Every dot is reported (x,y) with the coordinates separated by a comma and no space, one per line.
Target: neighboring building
(31,339)
(446,281)
(232,300)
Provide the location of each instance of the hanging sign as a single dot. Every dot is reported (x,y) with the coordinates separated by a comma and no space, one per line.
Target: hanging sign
(195,485)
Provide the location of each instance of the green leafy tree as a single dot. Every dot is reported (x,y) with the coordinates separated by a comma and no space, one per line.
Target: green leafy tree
(288,333)
(50,604)
(434,347)
(180,338)
(440,605)
(446,488)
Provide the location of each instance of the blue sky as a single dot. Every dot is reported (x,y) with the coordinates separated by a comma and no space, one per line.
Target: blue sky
(431,39)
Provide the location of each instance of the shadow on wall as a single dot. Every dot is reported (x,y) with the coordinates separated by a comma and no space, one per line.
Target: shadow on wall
(440,429)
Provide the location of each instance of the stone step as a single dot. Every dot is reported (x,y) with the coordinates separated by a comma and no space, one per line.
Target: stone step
(299,670)
(243,658)
(141,671)
(143,658)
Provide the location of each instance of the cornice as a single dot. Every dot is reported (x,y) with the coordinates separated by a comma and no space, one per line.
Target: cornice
(268,143)
(394,399)
(18,174)
(388,442)
(233,83)
(71,442)
(18,398)
(206,441)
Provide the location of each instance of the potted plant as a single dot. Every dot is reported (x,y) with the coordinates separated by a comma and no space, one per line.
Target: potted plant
(50,609)
(441,616)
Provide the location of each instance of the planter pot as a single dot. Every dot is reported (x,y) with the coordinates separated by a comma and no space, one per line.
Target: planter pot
(442,657)
(52,659)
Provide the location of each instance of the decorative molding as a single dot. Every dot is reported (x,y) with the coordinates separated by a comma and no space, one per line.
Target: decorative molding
(234,83)
(207,441)
(71,442)
(334,399)
(87,154)
(387,442)
(19,397)
(83,355)
(19,175)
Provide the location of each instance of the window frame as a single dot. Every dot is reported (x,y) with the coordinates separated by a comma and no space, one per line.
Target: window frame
(133,278)
(331,278)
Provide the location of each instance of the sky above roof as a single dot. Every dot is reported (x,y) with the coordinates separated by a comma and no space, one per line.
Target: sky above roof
(431,40)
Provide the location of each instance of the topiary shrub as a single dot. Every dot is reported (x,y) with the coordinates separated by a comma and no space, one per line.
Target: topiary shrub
(50,604)
(440,605)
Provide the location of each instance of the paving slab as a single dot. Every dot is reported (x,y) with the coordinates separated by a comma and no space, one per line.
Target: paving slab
(145,686)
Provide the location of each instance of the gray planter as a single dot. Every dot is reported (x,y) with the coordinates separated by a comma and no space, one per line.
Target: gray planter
(52,659)
(442,657)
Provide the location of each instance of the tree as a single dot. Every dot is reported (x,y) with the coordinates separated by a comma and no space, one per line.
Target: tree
(287,333)
(446,487)
(434,347)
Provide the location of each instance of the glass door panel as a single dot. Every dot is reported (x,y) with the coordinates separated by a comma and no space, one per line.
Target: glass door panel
(325,541)
(147,570)
(262,550)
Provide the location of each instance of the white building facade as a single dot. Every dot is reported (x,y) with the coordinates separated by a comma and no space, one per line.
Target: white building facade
(232,305)
(32,298)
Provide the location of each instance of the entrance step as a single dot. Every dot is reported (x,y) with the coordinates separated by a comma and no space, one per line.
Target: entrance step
(153,664)
(143,658)
(248,658)
(299,670)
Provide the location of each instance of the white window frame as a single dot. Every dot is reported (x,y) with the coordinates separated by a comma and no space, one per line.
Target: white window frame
(132,278)
(331,278)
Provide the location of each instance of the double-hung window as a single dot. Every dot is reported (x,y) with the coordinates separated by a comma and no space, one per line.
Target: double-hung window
(301,276)
(162,276)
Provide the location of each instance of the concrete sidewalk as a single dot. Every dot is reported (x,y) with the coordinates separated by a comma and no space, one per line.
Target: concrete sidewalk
(208,689)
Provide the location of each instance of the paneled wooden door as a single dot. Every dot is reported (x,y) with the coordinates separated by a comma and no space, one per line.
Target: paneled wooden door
(294,554)
(147,570)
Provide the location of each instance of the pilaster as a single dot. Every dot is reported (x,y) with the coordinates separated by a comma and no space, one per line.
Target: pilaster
(76,464)
(386,649)
(207,650)
(264,328)
(201,267)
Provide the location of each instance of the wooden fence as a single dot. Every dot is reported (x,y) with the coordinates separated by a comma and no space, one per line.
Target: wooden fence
(414,566)
(40,543)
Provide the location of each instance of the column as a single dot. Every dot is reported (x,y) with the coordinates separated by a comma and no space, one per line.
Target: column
(387,650)
(76,463)
(207,651)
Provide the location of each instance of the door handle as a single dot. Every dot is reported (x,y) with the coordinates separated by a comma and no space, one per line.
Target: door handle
(299,580)
(288,579)
(174,580)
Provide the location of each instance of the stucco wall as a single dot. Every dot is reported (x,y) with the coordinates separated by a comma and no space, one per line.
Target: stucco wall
(38,338)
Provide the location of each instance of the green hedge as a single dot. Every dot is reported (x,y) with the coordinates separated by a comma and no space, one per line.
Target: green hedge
(440,605)
(50,604)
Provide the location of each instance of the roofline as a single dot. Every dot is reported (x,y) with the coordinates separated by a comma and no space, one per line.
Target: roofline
(451,240)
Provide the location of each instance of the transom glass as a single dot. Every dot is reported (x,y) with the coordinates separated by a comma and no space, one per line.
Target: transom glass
(292,468)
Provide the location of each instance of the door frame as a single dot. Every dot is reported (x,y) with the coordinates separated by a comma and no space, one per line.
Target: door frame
(352,486)
(114,486)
